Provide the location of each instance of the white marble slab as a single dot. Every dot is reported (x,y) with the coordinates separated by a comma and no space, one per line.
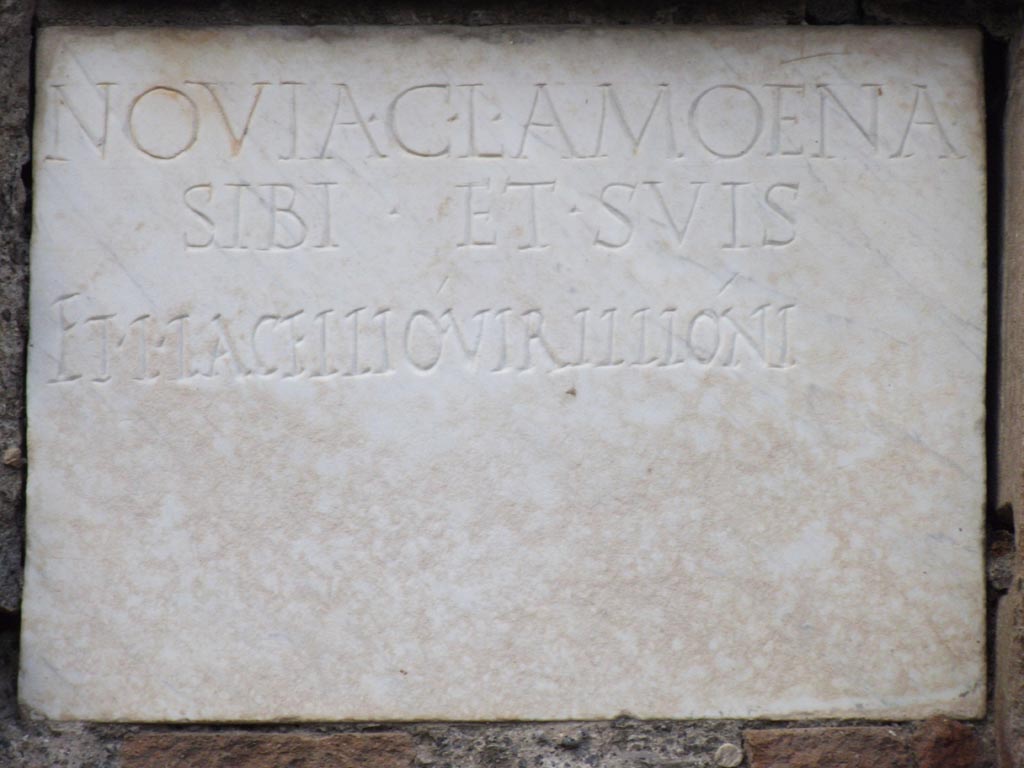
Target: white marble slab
(506,373)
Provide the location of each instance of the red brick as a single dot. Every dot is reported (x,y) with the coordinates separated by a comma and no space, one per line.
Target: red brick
(872,747)
(237,749)
(943,743)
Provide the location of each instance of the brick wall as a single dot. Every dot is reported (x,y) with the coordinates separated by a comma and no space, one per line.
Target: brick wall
(936,743)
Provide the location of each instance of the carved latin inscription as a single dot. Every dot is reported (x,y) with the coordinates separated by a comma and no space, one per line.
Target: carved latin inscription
(487,374)
(286,120)
(318,344)
(587,124)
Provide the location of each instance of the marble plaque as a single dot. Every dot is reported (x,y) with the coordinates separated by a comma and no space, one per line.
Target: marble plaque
(487,374)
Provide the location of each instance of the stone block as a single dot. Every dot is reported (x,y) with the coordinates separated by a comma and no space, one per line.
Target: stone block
(520,373)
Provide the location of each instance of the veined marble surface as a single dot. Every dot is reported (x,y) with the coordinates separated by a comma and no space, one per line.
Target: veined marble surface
(515,373)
